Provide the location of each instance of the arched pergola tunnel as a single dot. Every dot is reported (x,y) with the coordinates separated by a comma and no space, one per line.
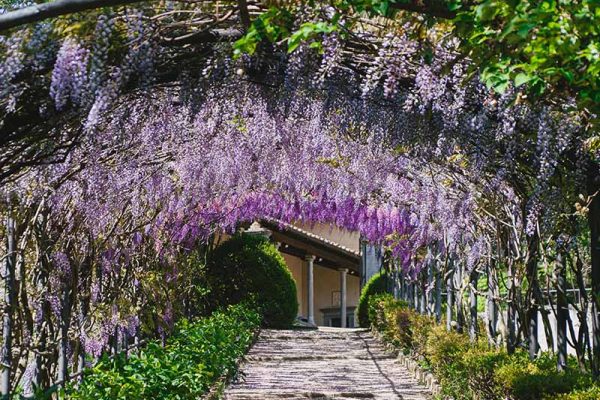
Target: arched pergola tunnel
(177,176)
(126,147)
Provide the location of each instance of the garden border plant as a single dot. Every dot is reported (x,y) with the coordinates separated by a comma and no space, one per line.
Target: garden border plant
(468,369)
(200,356)
(377,284)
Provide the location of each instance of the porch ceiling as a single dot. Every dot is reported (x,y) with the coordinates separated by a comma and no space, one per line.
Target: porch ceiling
(300,243)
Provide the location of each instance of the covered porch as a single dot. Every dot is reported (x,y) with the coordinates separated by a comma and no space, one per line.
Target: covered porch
(325,263)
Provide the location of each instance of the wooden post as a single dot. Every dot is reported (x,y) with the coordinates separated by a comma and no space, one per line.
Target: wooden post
(460,317)
(417,296)
(473,305)
(449,296)
(396,280)
(400,284)
(9,303)
(532,277)
(423,297)
(511,340)
(593,188)
(430,284)
(492,310)
(438,296)
(562,311)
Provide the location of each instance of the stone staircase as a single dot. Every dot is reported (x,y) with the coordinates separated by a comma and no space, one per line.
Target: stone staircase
(329,363)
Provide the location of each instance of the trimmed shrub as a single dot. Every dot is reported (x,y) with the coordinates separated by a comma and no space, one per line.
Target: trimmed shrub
(592,393)
(378,304)
(444,352)
(193,359)
(481,363)
(249,267)
(472,370)
(444,348)
(421,327)
(391,318)
(399,331)
(523,379)
(378,284)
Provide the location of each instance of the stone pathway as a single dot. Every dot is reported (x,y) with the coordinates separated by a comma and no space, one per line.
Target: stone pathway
(329,363)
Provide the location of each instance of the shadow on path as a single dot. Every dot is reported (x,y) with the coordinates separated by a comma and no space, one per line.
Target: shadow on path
(383,374)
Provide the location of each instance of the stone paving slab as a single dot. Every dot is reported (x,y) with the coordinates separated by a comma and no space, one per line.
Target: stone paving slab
(327,363)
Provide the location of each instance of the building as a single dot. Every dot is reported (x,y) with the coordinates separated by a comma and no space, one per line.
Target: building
(329,266)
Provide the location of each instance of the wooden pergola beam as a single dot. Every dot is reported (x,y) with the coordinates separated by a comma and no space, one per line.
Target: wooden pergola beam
(39,12)
(433,8)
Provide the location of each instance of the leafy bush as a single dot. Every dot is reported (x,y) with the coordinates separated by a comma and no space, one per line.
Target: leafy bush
(379,283)
(472,370)
(444,352)
(399,332)
(481,363)
(194,358)
(250,267)
(392,319)
(592,393)
(523,379)
(377,305)
(421,327)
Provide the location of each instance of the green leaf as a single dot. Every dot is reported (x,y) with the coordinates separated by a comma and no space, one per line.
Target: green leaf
(522,78)
(487,10)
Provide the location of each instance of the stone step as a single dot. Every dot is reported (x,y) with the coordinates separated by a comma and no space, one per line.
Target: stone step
(277,358)
(239,395)
(322,364)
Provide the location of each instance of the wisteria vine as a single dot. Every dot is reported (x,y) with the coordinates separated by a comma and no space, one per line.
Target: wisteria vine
(148,148)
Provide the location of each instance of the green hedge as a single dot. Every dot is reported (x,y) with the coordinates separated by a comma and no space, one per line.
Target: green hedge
(193,359)
(473,371)
(379,283)
(585,394)
(250,268)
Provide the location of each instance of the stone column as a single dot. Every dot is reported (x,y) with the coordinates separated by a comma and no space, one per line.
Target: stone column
(311,288)
(343,272)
